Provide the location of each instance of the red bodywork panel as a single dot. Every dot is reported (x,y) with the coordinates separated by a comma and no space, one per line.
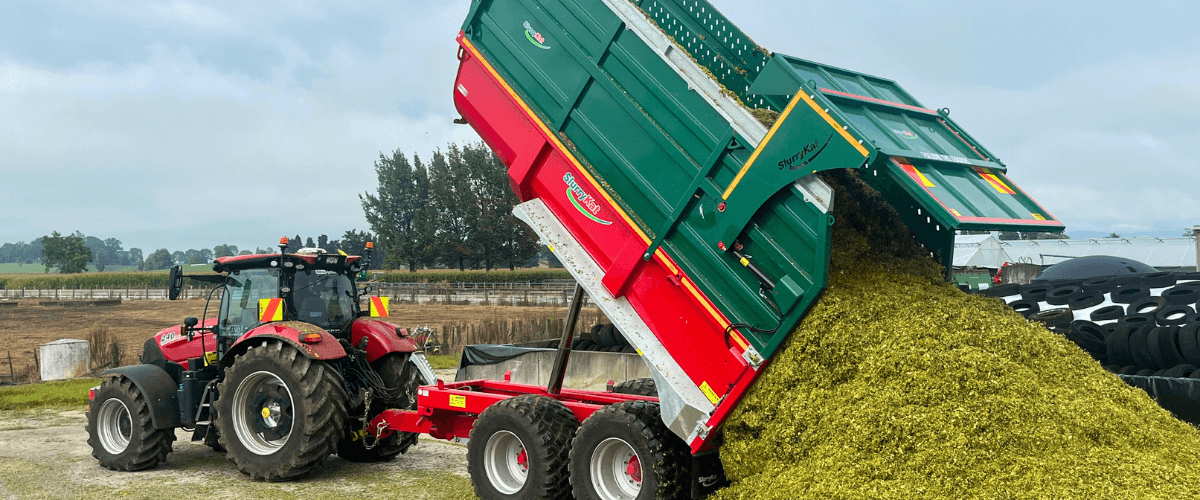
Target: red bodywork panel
(682,319)
(384,338)
(291,332)
(448,411)
(176,347)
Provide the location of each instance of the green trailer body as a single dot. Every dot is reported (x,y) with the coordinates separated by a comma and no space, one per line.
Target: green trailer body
(703,180)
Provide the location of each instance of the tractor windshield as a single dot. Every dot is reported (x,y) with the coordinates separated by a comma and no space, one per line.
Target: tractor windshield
(324,298)
(243,291)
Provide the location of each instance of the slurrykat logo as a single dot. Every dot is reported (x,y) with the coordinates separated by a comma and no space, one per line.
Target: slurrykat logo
(582,201)
(534,37)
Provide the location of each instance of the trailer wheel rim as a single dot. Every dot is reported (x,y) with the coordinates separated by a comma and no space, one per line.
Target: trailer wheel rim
(263,413)
(506,462)
(114,426)
(616,470)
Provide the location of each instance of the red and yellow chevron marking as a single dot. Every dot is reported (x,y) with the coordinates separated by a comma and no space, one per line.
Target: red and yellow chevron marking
(995,181)
(659,253)
(270,310)
(916,174)
(379,307)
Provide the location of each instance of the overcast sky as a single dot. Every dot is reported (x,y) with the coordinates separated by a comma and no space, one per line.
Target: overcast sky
(189,124)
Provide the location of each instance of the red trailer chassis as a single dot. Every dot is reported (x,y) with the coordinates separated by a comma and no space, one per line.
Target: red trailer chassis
(449,410)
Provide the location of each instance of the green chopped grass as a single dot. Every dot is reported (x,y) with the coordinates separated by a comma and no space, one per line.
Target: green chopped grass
(897,385)
(443,361)
(57,394)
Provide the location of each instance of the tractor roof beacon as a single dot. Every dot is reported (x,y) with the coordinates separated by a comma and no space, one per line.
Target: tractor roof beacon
(284,322)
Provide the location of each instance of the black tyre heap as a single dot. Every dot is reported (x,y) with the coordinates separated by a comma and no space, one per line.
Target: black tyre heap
(1134,324)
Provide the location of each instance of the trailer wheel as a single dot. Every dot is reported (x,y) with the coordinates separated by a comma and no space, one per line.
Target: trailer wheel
(625,452)
(520,447)
(396,371)
(119,429)
(279,413)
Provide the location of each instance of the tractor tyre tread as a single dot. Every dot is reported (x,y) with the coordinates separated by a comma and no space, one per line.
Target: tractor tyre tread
(147,446)
(323,395)
(396,371)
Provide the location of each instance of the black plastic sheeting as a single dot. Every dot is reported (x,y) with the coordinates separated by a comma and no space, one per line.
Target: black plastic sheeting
(488,354)
(1180,396)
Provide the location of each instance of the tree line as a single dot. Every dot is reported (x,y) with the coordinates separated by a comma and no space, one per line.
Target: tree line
(454,211)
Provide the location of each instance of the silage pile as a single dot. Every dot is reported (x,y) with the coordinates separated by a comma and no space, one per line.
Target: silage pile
(898,385)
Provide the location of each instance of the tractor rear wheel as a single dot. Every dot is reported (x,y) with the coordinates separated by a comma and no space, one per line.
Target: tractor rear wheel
(625,452)
(279,413)
(120,431)
(396,371)
(520,447)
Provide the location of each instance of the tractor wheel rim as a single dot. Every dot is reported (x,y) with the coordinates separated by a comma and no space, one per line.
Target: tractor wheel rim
(506,462)
(114,426)
(616,470)
(263,413)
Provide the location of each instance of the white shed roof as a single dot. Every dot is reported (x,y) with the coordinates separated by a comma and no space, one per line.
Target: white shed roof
(1156,252)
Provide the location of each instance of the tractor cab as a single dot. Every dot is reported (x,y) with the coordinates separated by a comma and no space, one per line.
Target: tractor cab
(309,286)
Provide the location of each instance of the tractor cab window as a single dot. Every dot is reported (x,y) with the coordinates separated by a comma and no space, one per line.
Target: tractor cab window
(239,303)
(324,298)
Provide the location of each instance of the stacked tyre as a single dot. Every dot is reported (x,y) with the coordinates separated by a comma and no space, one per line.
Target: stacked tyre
(603,337)
(1138,324)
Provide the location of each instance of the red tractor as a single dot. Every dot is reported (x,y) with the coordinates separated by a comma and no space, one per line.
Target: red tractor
(290,371)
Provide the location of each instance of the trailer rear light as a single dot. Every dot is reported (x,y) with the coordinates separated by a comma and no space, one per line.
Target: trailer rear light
(423,392)
(92,396)
(311,338)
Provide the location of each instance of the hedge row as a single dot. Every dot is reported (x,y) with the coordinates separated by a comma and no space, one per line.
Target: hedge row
(158,279)
(151,279)
(534,275)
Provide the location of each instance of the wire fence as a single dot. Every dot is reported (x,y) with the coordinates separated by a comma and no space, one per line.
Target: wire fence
(528,293)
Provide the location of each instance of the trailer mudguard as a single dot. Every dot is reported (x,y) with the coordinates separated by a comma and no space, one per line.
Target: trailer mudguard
(158,388)
(291,332)
(385,338)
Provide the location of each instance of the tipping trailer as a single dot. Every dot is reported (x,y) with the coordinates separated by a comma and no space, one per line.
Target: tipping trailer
(701,233)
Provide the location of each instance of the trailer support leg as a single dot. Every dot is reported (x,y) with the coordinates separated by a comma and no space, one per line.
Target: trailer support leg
(564,345)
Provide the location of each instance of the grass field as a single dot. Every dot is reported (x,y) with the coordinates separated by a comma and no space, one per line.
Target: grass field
(57,394)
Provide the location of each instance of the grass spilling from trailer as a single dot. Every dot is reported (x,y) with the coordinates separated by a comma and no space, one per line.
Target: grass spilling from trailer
(898,385)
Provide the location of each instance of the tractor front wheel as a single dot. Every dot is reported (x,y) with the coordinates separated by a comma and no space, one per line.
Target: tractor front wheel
(279,413)
(120,431)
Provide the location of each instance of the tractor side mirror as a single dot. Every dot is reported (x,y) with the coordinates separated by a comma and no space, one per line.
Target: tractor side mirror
(176,282)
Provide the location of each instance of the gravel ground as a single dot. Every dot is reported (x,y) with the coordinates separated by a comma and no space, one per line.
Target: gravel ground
(44,454)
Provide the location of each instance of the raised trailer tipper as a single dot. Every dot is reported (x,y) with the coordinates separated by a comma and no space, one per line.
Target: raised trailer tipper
(628,133)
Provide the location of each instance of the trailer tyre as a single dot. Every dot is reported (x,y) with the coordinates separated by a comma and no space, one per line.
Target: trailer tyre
(520,448)
(625,452)
(279,412)
(396,371)
(119,429)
